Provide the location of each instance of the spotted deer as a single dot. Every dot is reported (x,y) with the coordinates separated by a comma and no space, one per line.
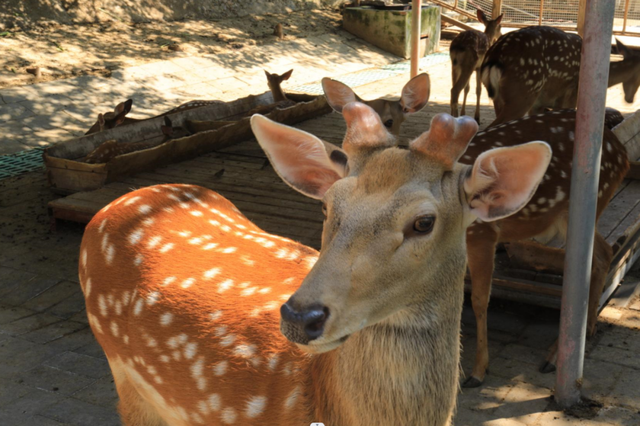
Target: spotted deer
(543,219)
(206,319)
(274,81)
(467,52)
(414,97)
(537,67)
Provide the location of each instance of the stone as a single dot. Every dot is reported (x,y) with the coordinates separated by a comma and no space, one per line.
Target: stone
(80,364)
(102,392)
(74,411)
(55,380)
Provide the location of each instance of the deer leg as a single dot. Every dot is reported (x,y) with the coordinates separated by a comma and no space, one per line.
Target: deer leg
(458,85)
(464,98)
(481,247)
(513,104)
(478,94)
(602,255)
(601,261)
(133,409)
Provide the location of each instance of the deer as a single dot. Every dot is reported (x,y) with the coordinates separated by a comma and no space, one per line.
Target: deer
(274,81)
(542,220)
(414,97)
(535,68)
(467,51)
(206,319)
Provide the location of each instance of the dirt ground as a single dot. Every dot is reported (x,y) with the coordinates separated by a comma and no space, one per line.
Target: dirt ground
(63,51)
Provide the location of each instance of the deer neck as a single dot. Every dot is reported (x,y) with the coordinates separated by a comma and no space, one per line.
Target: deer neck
(619,72)
(384,373)
(278,93)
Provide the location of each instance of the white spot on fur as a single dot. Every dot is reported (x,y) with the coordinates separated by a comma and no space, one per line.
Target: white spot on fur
(220,368)
(215,402)
(229,415)
(188,282)
(255,406)
(166,318)
(166,248)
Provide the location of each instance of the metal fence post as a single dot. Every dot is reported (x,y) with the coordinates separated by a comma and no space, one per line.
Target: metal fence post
(594,74)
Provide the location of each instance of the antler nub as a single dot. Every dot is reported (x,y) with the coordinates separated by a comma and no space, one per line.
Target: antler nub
(446,139)
(365,130)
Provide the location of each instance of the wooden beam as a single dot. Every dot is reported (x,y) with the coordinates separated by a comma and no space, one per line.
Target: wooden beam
(455,22)
(497,9)
(581,9)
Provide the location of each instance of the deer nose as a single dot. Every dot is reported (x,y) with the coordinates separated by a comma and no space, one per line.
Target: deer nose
(304,325)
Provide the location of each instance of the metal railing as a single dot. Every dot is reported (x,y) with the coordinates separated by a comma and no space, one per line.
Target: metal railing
(562,14)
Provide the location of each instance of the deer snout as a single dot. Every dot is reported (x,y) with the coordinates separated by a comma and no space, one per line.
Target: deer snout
(303,325)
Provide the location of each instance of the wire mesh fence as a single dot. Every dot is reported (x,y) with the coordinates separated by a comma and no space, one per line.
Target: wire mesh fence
(557,13)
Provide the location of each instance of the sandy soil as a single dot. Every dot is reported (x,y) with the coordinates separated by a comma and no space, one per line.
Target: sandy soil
(62,51)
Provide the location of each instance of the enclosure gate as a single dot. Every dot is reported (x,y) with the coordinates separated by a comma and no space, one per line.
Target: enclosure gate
(562,14)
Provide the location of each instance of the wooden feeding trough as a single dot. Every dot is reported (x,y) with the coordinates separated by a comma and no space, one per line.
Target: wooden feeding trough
(68,173)
(242,173)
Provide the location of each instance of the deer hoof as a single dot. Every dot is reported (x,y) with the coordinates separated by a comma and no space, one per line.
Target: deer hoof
(472,382)
(547,367)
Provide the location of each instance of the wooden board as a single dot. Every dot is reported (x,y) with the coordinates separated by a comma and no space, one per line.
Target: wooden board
(242,174)
(67,173)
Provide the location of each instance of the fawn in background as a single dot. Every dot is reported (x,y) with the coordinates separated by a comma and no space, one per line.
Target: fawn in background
(467,52)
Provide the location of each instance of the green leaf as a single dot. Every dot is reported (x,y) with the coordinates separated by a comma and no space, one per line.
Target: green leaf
(5,34)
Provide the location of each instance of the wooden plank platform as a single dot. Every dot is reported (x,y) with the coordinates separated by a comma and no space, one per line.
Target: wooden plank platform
(243,174)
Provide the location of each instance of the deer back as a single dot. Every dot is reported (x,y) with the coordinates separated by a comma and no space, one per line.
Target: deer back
(533,59)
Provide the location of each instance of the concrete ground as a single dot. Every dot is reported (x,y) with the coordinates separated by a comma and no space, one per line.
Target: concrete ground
(52,372)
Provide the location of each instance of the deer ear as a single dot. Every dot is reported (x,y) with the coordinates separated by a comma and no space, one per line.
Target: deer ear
(286,75)
(481,16)
(623,50)
(415,94)
(121,110)
(499,18)
(303,161)
(338,94)
(267,74)
(503,180)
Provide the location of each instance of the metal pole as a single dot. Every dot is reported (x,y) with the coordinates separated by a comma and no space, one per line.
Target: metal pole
(416,9)
(594,75)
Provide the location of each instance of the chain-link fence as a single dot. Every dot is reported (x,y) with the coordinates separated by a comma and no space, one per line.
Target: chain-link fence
(557,13)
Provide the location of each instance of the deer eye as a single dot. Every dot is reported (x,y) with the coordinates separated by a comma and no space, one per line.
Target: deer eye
(424,224)
(388,123)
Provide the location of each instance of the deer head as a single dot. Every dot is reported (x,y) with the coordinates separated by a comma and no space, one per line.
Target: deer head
(415,95)
(632,82)
(395,220)
(492,26)
(113,119)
